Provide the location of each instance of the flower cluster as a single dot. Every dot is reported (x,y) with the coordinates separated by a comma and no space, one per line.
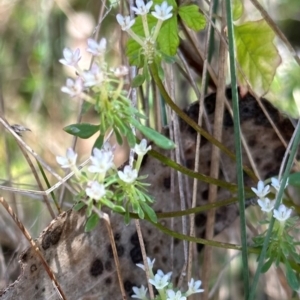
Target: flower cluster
(267,205)
(161,13)
(162,282)
(101,177)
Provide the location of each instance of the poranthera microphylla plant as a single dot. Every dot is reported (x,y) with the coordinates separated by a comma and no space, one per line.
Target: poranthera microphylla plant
(282,243)
(123,191)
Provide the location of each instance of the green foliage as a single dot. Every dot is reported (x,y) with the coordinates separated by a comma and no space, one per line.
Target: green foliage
(238,9)
(82,130)
(256,54)
(192,17)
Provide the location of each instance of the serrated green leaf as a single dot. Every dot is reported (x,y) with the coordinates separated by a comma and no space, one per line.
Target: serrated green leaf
(238,9)
(168,39)
(138,80)
(91,223)
(256,54)
(82,130)
(159,139)
(192,17)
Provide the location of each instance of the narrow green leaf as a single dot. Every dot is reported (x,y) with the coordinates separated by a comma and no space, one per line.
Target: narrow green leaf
(120,124)
(138,80)
(82,130)
(159,139)
(130,138)
(91,223)
(256,54)
(118,136)
(291,277)
(192,17)
(267,265)
(149,212)
(99,141)
(294,179)
(78,206)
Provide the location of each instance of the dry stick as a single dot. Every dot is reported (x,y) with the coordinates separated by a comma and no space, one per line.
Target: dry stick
(144,255)
(215,163)
(197,158)
(34,247)
(276,29)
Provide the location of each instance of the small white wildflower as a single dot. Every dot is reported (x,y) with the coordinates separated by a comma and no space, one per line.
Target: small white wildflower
(172,296)
(96,48)
(194,287)
(125,22)
(141,149)
(162,12)
(68,161)
(150,264)
(120,71)
(141,8)
(282,213)
(73,87)
(261,190)
(160,280)
(102,161)
(93,77)
(276,183)
(266,204)
(70,58)
(139,293)
(128,175)
(95,190)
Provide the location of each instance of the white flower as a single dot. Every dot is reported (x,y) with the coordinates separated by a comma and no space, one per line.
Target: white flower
(261,190)
(160,279)
(125,22)
(95,190)
(162,12)
(102,161)
(96,48)
(141,8)
(93,77)
(150,264)
(120,71)
(73,88)
(141,149)
(70,58)
(276,183)
(282,213)
(266,204)
(139,293)
(128,175)
(68,161)
(194,287)
(173,296)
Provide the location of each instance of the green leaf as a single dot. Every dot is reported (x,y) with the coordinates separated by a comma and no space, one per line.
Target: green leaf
(192,17)
(138,80)
(91,223)
(118,136)
(78,206)
(256,54)
(85,107)
(99,142)
(149,212)
(294,179)
(267,265)
(291,277)
(82,130)
(168,39)
(159,139)
(130,138)
(238,9)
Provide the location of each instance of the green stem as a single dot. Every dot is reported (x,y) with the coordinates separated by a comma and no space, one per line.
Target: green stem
(262,256)
(238,148)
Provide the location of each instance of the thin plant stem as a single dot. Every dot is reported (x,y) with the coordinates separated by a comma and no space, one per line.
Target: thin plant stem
(238,148)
